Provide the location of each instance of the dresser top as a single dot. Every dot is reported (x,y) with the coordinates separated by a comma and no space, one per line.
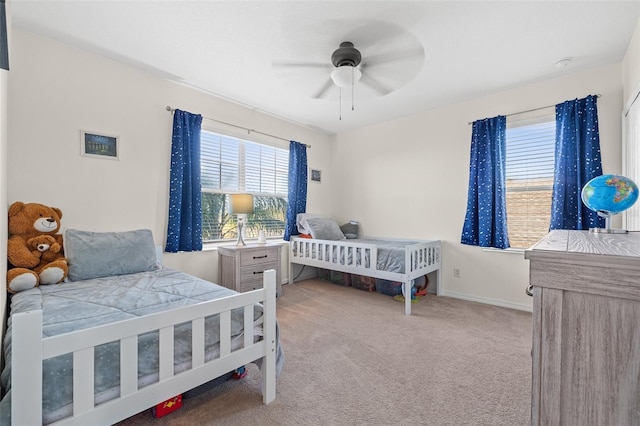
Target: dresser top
(249,247)
(584,242)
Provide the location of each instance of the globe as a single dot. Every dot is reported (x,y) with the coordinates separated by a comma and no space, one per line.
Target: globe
(610,194)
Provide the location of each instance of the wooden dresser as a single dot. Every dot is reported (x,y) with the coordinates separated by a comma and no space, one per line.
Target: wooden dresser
(241,268)
(586,329)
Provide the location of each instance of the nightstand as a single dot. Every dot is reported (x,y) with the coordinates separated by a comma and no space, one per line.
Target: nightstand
(241,268)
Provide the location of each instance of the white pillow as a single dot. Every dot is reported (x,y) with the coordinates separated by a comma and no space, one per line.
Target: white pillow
(301,222)
(324,229)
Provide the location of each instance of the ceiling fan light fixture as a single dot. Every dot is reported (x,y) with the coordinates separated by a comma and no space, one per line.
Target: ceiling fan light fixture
(345,76)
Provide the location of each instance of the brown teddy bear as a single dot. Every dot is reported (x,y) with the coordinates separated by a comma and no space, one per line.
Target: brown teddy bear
(27,221)
(47,248)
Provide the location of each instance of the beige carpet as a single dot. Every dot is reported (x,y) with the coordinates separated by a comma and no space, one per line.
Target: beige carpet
(353,358)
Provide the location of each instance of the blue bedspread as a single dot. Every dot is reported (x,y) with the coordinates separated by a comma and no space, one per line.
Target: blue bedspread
(78,305)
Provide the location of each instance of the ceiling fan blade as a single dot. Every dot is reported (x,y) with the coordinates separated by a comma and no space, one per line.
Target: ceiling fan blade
(324,90)
(370,34)
(416,53)
(316,65)
(374,84)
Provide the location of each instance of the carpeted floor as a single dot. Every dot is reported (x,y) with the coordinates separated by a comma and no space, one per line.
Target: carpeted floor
(354,358)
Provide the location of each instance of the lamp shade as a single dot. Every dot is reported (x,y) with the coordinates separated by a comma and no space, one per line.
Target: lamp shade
(345,76)
(241,203)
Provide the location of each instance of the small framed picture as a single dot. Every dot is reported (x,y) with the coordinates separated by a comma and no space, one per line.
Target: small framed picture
(316,175)
(98,145)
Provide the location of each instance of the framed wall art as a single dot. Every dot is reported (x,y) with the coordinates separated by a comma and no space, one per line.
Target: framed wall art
(99,145)
(316,175)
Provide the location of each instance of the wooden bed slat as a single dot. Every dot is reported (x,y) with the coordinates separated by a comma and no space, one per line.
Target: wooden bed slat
(166,351)
(128,365)
(225,333)
(197,342)
(248,331)
(83,377)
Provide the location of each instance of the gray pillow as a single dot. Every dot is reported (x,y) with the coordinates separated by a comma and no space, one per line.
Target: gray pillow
(324,229)
(350,229)
(103,254)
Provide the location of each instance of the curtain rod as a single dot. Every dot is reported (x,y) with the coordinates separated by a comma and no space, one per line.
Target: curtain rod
(531,110)
(240,127)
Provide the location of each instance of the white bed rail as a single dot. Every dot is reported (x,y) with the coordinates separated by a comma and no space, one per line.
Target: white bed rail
(29,350)
(359,258)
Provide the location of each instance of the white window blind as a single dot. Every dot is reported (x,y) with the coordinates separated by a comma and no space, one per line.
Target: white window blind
(232,165)
(219,162)
(266,169)
(530,158)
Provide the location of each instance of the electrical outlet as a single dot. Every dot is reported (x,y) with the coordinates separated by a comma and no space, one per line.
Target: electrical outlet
(456,272)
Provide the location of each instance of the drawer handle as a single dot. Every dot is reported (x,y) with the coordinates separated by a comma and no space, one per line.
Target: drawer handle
(261,257)
(258,272)
(529,290)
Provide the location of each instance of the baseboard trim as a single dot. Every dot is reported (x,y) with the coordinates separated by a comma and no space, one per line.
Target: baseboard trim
(487,300)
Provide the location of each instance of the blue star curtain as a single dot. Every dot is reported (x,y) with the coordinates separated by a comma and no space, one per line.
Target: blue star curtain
(577,162)
(4,48)
(485,223)
(184,231)
(297,202)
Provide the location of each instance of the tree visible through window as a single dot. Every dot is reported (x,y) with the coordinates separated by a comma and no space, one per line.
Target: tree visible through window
(530,158)
(231,165)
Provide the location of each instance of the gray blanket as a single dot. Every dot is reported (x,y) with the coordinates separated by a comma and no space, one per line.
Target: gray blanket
(78,305)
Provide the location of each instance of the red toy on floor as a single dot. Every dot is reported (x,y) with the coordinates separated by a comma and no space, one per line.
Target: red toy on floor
(168,406)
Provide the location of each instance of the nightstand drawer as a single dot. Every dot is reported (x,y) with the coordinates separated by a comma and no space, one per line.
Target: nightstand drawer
(255,257)
(249,286)
(254,272)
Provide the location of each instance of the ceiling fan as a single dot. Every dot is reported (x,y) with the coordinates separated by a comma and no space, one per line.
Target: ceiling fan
(391,58)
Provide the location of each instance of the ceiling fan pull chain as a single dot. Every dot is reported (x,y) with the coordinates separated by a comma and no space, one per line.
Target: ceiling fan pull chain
(340,101)
(353,90)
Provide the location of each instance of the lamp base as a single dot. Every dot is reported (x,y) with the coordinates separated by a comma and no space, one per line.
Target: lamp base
(607,231)
(240,242)
(607,223)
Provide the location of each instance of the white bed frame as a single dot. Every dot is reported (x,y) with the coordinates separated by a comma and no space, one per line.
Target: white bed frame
(421,258)
(30,349)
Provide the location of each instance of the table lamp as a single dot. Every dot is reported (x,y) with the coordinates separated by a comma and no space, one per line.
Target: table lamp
(241,205)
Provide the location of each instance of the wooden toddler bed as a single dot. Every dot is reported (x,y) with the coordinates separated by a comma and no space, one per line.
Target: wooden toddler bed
(100,349)
(390,259)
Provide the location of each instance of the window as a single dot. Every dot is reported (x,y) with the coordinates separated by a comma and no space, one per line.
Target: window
(232,165)
(530,158)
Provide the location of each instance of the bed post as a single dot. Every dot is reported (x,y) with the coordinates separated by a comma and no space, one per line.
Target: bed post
(407,283)
(407,296)
(269,361)
(26,368)
(291,243)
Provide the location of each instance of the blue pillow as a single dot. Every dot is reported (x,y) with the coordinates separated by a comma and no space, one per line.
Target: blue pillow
(104,254)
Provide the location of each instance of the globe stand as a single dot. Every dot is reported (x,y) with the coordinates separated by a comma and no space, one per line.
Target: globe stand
(607,223)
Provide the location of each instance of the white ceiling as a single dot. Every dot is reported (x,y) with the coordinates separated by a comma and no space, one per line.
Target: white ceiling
(236,49)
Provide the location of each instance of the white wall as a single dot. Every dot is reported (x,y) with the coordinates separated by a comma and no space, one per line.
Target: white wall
(3,176)
(631,67)
(409,178)
(56,90)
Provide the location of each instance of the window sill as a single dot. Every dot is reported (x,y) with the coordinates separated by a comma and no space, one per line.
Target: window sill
(509,250)
(214,246)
